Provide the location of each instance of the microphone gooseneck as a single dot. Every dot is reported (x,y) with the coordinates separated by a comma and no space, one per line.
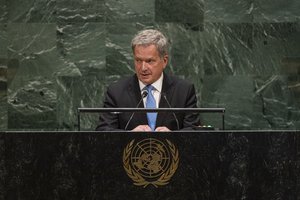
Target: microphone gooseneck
(144,94)
(193,126)
(177,123)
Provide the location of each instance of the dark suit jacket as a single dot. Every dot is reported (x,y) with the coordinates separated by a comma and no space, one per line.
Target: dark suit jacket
(126,94)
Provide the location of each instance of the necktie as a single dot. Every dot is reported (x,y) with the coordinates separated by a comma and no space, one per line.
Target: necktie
(150,103)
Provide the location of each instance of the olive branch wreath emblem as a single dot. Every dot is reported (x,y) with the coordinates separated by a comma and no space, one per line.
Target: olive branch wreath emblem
(139,180)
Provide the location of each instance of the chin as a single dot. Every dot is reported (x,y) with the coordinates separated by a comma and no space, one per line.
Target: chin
(146,81)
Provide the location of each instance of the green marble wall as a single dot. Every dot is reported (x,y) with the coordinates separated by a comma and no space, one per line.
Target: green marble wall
(56,56)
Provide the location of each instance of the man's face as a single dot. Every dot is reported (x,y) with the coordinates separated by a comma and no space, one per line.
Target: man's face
(148,64)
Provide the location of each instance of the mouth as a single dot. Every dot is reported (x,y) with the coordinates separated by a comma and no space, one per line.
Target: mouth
(145,75)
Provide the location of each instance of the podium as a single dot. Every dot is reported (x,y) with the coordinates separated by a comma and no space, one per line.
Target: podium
(90,165)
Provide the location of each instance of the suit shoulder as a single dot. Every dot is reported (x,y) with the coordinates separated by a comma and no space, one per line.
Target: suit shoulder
(180,81)
(121,83)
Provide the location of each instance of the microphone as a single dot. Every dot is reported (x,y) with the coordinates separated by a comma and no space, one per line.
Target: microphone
(144,94)
(177,123)
(209,127)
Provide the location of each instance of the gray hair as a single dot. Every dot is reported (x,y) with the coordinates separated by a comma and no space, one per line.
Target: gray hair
(151,36)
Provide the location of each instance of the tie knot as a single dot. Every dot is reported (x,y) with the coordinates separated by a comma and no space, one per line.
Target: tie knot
(149,88)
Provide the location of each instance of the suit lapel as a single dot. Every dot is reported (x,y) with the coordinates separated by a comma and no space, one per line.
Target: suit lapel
(167,90)
(135,96)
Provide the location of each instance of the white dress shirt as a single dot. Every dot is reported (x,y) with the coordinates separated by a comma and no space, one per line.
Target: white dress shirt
(156,90)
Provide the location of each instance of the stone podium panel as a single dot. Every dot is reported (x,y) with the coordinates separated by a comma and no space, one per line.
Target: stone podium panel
(131,165)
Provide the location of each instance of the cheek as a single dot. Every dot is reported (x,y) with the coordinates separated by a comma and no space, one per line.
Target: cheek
(137,66)
(161,67)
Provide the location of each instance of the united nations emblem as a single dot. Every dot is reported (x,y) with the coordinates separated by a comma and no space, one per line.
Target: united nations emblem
(150,162)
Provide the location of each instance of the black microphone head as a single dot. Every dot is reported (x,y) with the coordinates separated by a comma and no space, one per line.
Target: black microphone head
(165,97)
(144,93)
(164,94)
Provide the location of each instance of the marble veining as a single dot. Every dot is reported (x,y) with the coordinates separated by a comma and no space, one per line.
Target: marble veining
(242,55)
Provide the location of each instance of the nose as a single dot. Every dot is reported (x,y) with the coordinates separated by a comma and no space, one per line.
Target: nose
(144,66)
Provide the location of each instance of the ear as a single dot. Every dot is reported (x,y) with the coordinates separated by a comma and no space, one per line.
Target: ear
(165,60)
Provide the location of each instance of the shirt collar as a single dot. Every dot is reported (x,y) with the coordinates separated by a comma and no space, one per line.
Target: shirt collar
(157,84)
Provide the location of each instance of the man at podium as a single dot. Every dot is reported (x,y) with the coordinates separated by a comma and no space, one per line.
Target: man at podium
(149,87)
